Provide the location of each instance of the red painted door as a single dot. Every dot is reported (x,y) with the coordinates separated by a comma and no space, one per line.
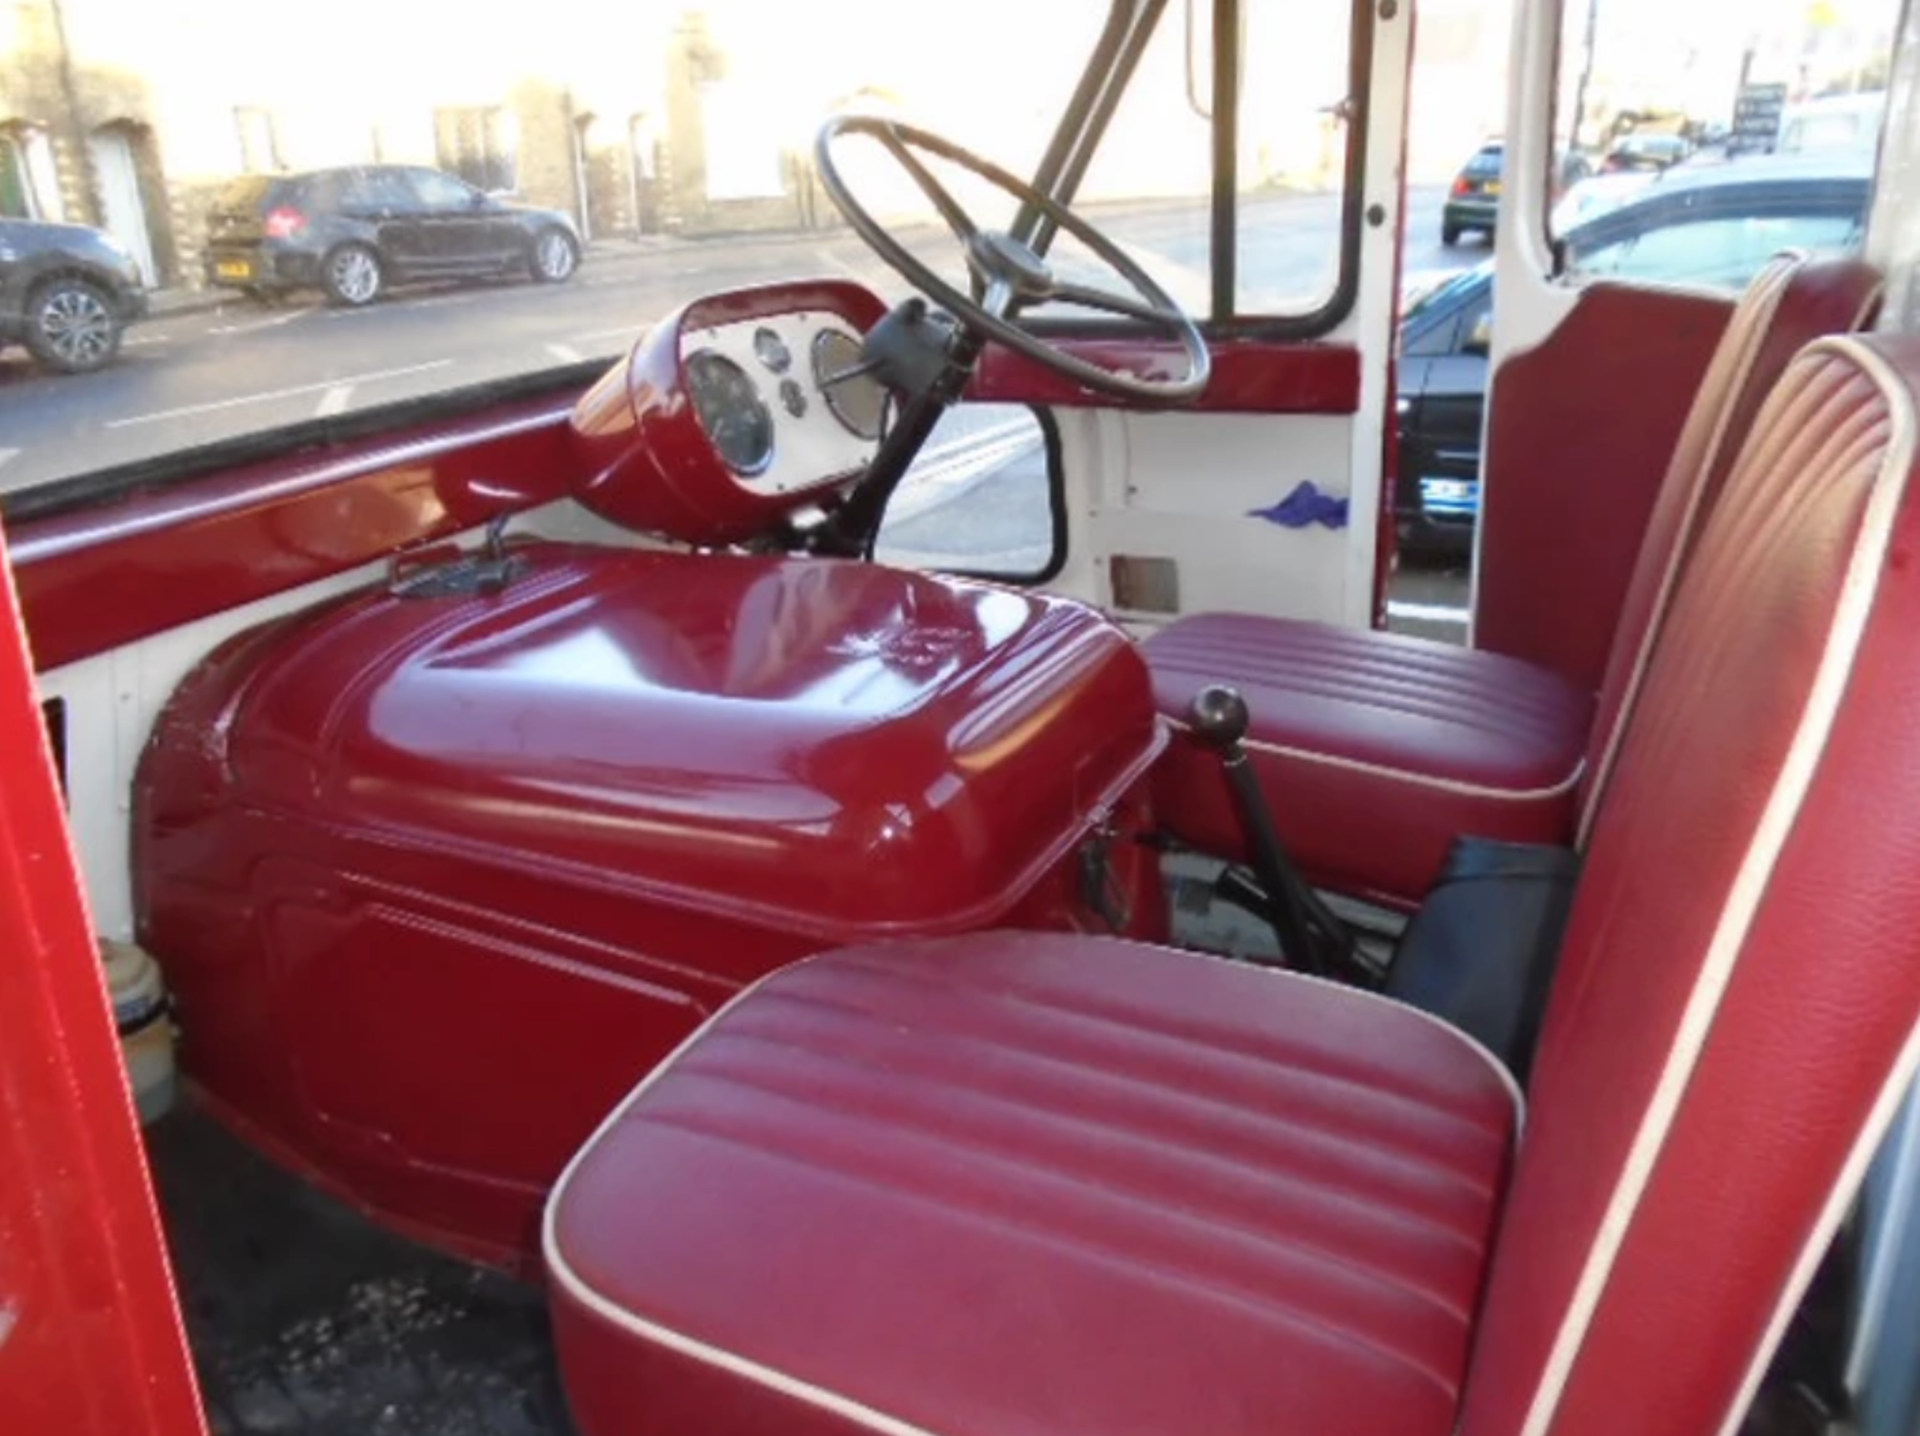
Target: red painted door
(90,1336)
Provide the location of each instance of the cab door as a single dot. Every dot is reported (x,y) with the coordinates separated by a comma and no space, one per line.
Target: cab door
(1251,165)
(1612,299)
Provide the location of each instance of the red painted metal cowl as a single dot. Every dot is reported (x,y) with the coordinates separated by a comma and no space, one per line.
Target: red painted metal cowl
(434,880)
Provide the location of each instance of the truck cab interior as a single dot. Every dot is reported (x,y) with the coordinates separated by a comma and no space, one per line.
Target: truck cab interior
(652,955)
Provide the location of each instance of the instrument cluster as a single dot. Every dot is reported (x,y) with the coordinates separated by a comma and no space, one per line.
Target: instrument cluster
(782,399)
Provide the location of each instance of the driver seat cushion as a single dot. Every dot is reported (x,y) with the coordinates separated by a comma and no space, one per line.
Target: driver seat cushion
(1036,1182)
(1376,750)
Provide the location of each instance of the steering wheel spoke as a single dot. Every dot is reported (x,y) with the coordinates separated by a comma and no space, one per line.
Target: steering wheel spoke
(1008,277)
(1090,296)
(951,210)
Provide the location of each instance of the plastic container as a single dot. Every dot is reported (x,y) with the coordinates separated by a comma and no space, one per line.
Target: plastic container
(141,1014)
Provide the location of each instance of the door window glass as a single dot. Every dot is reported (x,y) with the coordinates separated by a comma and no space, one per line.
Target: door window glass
(1725,252)
(438,191)
(1748,114)
(378,189)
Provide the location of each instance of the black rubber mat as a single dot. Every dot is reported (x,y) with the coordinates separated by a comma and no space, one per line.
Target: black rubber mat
(307,1320)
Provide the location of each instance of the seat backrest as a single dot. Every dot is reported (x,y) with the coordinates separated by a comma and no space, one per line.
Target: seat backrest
(1789,304)
(1734,1018)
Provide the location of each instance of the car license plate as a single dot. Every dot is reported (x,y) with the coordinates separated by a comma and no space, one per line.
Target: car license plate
(234,269)
(1454,497)
(1491,187)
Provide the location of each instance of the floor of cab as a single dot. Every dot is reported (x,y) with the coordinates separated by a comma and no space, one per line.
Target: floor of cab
(307,1320)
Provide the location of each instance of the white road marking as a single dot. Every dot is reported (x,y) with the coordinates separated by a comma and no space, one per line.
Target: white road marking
(7,454)
(1429,613)
(189,410)
(249,328)
(565,353)
(334,401)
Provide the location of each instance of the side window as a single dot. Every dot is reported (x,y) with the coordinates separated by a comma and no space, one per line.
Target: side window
(1725,251)
(1716,145)
(438,191)
(1449,324)
(1150,183)
(375,189)
(983,497)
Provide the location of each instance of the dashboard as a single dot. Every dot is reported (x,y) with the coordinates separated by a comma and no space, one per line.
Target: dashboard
(734,412)
(769,396)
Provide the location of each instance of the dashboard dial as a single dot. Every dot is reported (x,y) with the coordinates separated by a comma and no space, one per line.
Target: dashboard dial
(859,403)
(730,409)
(771,350)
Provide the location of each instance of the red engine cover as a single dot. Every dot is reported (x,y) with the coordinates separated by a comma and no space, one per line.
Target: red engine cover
(435,879)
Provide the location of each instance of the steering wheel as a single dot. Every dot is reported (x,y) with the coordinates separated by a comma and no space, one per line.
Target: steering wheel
(1011,275)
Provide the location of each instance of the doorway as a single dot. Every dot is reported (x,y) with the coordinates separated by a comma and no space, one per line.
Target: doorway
(123,208)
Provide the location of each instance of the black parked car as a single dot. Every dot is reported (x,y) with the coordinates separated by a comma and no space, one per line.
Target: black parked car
(67,292)
(353,232)
(1473,200)
(1714,226)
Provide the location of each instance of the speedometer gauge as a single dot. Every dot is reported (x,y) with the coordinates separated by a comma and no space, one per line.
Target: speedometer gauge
(858,402)
(730,409)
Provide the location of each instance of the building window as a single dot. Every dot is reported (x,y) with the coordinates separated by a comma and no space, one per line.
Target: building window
(477,143)
(259,140)
(29,188)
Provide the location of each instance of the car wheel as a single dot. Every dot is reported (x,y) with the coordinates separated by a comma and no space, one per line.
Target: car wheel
(555,256)
(1449,235)
(353,275)
(72,326)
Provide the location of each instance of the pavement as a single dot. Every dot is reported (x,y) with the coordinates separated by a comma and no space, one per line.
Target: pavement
(188,299)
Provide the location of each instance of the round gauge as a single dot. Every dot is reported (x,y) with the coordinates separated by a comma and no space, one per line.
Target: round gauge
(859,403)
(794,398)
(731,411)
(771,350)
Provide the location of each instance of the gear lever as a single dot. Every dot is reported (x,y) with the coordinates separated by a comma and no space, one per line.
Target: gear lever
(1311,937)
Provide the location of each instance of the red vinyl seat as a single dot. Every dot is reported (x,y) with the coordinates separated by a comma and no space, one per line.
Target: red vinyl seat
(1025,1185)
(1376,750)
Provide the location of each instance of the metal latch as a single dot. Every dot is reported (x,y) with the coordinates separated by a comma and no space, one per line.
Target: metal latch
(1101,890)
(445,571)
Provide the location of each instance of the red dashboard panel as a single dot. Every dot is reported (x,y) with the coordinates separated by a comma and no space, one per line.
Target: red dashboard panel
(1250,376)
(645,459)
(101,577)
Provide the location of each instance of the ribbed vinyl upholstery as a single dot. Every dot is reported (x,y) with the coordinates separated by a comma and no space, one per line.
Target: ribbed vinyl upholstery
(906,1175)
(1376,750)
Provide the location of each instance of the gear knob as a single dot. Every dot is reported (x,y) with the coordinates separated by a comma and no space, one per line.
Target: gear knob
(1218,716)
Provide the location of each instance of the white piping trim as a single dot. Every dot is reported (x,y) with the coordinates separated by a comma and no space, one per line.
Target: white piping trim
(561,1272)
(1401,775)
(1770,288)
(1851,612)
(1886,1106)
(1900,1078)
